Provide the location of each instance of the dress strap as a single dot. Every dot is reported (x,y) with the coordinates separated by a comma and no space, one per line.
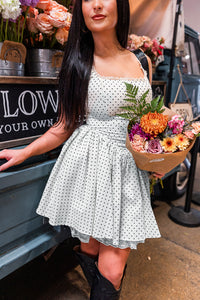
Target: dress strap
(143,60)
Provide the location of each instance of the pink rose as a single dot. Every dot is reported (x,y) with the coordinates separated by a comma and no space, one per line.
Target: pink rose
(62,35)
(138,143)
(196,127)
(60,18)
(43,4)
(43,24)
(189,134)
(32,25)
(154,146)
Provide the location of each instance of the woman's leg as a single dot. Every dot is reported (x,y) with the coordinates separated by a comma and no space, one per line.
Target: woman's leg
(87,254)
(91,249)
(111,263)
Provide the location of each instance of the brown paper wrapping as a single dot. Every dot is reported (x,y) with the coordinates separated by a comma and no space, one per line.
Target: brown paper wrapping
(159,163)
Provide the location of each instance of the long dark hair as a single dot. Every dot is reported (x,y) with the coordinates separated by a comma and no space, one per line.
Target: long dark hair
(77,64)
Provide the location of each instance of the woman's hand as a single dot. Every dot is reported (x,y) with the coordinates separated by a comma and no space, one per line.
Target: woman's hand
(157,175)
(13,157)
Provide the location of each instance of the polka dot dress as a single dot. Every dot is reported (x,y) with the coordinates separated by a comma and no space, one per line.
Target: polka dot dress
(95,187)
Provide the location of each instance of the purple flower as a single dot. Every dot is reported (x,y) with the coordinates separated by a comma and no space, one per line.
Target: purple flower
(154,146)
(136,129)
(32,3)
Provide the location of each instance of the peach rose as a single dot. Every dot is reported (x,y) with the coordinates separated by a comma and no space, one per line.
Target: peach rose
(62,35)
(59,18)
(33,12)
(138,143)
(196,127)
(189,134)
(43,24)
(53,5)
(43,4)
(31,24)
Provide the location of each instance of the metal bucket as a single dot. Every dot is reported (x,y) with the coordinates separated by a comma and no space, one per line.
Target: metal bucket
(44,62)
(10,68)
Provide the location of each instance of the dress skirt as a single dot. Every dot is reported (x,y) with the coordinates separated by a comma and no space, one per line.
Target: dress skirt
(96,189)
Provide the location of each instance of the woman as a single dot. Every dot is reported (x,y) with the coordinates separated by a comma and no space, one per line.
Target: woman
(95,187)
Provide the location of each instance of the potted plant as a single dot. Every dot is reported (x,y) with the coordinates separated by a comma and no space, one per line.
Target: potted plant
(12,50)
(47,27)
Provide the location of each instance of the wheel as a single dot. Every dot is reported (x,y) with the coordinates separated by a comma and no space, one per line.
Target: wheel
(175,185)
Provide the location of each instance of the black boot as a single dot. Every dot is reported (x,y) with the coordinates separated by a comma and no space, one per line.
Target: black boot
(103,289)
(87,264)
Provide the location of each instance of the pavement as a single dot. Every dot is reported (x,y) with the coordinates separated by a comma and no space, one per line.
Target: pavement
(167,268)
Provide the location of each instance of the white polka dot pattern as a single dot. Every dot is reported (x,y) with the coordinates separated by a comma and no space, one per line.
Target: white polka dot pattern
(95,187)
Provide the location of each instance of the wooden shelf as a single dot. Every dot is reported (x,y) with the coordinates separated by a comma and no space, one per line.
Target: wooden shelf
(28,80)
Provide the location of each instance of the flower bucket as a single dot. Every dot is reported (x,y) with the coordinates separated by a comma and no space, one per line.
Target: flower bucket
(11,68)
(44,62)
(159,163)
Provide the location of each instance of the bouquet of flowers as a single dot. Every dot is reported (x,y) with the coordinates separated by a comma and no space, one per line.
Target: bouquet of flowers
(157,142)
(47,24)
(153,48)
(11,21)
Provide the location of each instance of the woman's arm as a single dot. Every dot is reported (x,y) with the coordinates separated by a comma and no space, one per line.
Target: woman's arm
(53,138)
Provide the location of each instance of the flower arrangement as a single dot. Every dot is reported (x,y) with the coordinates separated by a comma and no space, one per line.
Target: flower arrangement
(47,25)
(157,143)
(36,23)
(11,20)
(153,48)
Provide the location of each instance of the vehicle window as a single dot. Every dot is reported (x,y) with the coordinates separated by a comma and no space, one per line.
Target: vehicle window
(195,65)
(190,63)
(186,61)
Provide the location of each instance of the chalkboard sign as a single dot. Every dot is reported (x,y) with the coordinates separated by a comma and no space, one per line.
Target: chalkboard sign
(28,108)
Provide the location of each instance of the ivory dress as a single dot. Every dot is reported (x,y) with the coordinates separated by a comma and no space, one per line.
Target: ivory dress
(95,187)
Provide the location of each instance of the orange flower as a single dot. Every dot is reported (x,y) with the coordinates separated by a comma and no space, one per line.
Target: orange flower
(59,18)
(168,145)
(53,5)
(138,143)
(196,127)
(62,35)
(182,142)
(31,25)
(43,24)
(153,123)
(43,4)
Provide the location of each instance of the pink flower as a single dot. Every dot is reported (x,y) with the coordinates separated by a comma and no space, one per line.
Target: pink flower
(43,4)
(176,124)
(196,127)
(138,143)
(189,134)
(59,18)
(31,25)
(62,35)
(43,24)
(154,146)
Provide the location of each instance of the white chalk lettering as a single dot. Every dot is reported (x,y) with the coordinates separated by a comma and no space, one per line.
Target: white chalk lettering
(1,127)
(50,122)
(8,128)
(42,123)
(50,98)
(33,106)
(34,124)
(24,126)
(14,127)
(6,106)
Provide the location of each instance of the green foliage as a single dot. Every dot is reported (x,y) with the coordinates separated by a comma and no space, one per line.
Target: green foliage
(139,107)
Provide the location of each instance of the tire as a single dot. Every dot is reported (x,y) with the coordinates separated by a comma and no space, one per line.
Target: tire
(176,184)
